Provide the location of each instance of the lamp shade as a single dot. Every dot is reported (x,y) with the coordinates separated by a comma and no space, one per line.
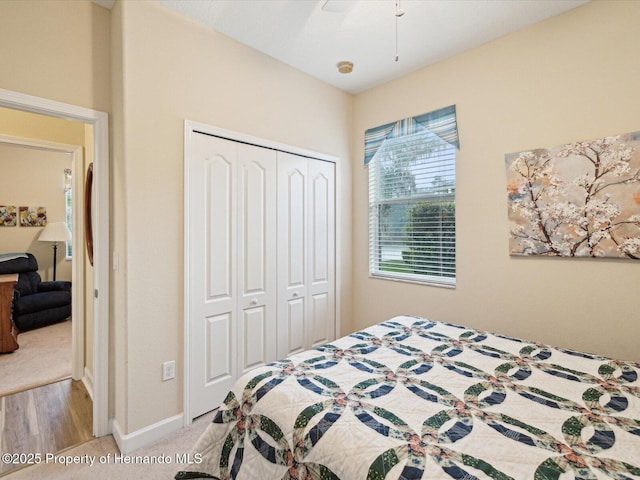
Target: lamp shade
(55,232)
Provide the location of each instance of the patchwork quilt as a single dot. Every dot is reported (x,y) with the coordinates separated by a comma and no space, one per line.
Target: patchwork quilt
(411,398)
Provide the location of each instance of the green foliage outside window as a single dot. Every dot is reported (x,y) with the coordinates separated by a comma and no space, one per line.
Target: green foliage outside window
(430,230)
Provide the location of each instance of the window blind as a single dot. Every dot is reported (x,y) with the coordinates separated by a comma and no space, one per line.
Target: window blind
(68,208)
(412,208)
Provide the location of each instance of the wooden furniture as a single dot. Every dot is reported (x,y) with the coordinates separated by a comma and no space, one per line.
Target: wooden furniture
(8,331)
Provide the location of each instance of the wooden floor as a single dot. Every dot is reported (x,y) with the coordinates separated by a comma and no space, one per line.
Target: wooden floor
(46,419)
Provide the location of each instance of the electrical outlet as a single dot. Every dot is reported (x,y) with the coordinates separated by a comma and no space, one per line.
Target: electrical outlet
(168,370)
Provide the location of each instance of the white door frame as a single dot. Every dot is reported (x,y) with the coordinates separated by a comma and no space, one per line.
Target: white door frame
(100,122)
(190,128)
(77,274)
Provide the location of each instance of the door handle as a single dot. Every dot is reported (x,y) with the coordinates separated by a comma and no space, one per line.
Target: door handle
(254,301)
(295,294)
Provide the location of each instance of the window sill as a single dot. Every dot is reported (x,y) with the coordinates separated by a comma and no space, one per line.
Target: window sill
(414,279)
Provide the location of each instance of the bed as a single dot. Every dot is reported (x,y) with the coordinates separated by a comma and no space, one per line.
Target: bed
(412,398)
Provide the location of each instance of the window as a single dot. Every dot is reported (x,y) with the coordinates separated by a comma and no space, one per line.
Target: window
(68,208)
(412,199)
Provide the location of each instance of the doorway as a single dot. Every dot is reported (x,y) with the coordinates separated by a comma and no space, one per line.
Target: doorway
(53,173)
(100,214)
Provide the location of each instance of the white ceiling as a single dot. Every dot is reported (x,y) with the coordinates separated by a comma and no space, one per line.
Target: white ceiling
(314,35)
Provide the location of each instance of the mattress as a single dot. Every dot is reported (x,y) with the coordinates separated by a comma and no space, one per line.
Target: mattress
(412,398)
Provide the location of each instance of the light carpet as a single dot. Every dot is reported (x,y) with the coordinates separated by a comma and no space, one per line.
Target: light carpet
(105,449)
(44,357)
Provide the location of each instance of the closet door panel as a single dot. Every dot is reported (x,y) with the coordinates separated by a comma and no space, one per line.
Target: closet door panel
(254,226)
(321,256)
(218,345)
(295,333)
(257,279)
(319,315)
(320,230)
(292,253)
(212,246)
(219,224)
(255,343)
(296,201)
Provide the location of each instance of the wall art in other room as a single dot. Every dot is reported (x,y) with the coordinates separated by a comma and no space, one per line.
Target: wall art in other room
(36,217)
(8,216)
(576,200)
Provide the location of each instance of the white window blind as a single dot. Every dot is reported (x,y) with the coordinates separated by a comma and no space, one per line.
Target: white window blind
(412,209)
(68,208)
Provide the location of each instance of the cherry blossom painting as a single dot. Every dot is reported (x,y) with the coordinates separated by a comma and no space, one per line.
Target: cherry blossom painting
(576,200)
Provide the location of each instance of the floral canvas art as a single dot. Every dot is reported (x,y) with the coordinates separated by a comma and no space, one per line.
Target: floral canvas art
(36,217)
(576,200)
(8,217)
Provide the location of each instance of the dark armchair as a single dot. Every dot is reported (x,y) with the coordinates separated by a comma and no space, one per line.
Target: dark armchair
(36,303)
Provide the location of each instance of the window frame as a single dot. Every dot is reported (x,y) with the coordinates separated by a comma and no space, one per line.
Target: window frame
(444,198)
(68,210)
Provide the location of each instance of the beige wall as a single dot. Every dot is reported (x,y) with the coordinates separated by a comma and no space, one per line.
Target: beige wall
(573,77)
(172,70)
(33,177)
(40,127)
(118,358)
(56,49)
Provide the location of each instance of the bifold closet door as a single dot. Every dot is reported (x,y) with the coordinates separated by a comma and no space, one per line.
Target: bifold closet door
(213,284)
(232,225)
(306,253)
(257,279)
(292,253)
(321,318)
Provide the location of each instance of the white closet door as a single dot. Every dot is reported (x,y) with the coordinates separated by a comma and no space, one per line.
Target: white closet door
(212,245)
(257,279)
(261,261)
(321,256)
(306,253)
(292,254)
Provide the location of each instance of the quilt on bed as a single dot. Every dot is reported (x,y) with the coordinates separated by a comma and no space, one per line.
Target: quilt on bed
(415,399)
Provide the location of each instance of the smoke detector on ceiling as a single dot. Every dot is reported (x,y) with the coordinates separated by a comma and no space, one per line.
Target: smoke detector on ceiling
(345,67)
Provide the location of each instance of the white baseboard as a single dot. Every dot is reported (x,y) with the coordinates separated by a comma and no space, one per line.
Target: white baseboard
(87,379)
(145,436)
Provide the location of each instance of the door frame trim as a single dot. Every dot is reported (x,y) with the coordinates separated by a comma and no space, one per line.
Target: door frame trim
(190,128)
(100,122)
